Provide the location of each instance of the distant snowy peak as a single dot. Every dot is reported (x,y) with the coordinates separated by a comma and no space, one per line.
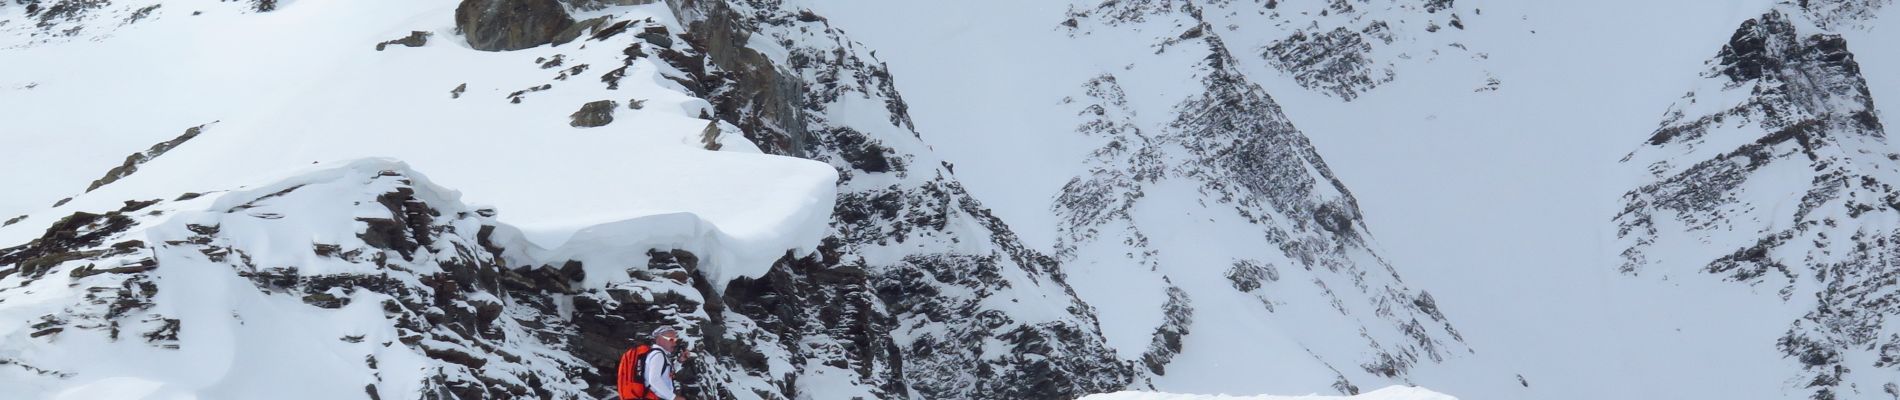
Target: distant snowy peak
(1346,48)
(1776,171)
(1783,105)
(1275,236)
(1338,48)
(1840,14)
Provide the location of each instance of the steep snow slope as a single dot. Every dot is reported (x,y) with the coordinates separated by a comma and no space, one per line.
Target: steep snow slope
(1215,243)
(1209,211)
(975,312)
(1496,201)
(1774,172)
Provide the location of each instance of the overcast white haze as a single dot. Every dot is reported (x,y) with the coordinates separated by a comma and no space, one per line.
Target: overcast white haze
(1498,203)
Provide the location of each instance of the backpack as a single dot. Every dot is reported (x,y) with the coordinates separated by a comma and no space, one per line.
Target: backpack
(633,372)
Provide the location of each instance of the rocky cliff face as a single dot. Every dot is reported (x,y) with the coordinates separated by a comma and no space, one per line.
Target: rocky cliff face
(916,291)
(1339,48)
(1776,172)
(1214,196)
(972,311)
(1838,14)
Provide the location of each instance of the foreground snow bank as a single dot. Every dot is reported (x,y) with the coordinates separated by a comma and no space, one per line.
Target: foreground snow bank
(364,278)
(1389,393)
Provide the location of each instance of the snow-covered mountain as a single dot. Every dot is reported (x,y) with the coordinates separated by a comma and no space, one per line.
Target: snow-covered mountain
(1208,227)
(1344,49)
(1775,172)
(628,217)
(972,310)
(492,198)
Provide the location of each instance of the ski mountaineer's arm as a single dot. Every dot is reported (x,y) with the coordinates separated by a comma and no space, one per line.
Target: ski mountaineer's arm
(658,380)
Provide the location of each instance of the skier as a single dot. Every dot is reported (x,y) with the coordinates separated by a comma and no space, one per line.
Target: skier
(645,371)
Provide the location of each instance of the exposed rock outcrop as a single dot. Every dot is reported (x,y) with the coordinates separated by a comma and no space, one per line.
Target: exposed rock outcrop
(415,39)
(594,114)
(1776,172)
(1836,14)
(934,257)
(133,161)
(1225,153)
(507,25)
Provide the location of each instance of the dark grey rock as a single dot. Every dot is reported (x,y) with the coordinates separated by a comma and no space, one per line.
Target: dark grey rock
(656,35)
(709,137)
(1334,61)
(1178,314)
(141,14)
(519,94)
(415,39)
(595,114)
(133,161)
(507,25)
(611,30)
(575,31)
